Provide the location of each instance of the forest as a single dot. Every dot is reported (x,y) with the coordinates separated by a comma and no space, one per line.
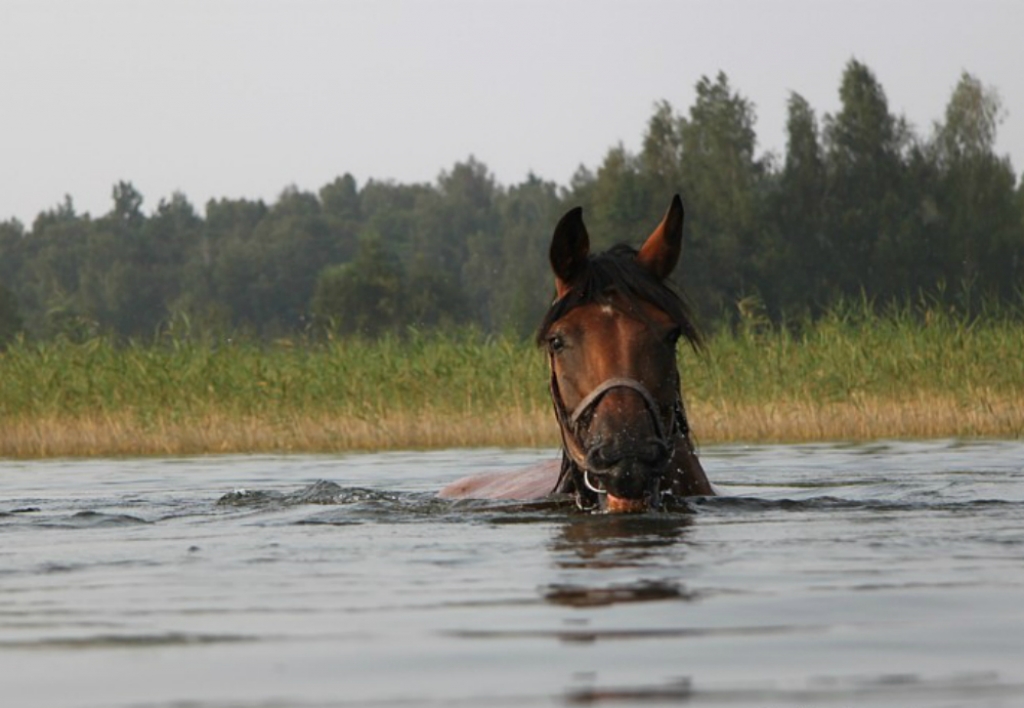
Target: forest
(861,206)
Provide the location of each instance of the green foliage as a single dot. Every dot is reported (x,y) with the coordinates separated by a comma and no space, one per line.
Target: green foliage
(524,289)
(979,241)
(726,183)
(10,318)
(364,296)
(796,208)
(858,203)
(865,171)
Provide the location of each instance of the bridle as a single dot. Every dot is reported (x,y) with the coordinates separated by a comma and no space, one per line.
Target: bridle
(574,467)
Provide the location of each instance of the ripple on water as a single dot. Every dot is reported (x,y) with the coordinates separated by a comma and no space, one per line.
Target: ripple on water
(886,575)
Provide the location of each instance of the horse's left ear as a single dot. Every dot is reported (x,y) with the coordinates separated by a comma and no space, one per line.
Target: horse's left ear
(660,251)
(570,247)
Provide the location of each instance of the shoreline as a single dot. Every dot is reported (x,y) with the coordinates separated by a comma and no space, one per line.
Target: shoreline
(924,415)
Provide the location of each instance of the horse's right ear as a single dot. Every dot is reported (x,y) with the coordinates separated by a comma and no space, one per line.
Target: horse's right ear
(660,251)
(570,247)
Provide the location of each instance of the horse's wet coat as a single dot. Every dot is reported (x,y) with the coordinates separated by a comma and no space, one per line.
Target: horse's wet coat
(611,338)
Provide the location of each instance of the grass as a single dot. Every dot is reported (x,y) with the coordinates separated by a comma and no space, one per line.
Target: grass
(182,397)
(851,375)
(855,375)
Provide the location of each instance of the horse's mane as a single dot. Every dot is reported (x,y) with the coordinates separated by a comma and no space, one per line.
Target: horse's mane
(616,271)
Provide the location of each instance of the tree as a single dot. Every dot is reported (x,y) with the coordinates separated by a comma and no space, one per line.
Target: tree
(173,237)
(795,265)
(983,244)
(455,237)
(127,203)
(662,155)
(525,287)
(47,283)
(864,178)
(340,198)
(620,201)
(342,211)
(972,119)
(11,322)
(212,279)
(12,250)
(265,267)
(365,296)
(118,288)
(857,202)
(723,190)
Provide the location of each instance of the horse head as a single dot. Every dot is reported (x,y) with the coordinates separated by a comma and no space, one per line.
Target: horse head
(611,337)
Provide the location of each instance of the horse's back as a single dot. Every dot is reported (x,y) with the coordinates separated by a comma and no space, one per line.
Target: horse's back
(534,482)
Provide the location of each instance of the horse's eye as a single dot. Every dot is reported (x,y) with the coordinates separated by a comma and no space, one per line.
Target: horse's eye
(556,343)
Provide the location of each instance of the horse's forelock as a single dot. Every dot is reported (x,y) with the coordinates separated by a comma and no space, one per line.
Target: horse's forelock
(616,271)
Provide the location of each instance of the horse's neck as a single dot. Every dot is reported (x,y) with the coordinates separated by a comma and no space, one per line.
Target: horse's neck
(688,478)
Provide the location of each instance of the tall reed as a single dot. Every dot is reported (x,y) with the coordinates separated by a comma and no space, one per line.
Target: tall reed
(855,374)
(852,374)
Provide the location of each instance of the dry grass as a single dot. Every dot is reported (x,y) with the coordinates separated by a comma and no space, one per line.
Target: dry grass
(125,435)
(925,416)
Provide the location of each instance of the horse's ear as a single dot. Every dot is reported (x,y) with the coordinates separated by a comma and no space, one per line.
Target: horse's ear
(660,251)
(570,247)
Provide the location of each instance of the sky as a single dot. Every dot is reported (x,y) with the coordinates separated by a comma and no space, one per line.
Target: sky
(223,98)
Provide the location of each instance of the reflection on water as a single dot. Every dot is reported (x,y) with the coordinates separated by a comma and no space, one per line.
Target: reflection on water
(605,541)
(616,540)
(881,575)
(640,591)
(674,692)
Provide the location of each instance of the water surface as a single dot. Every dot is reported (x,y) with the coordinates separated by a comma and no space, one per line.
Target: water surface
(889,574)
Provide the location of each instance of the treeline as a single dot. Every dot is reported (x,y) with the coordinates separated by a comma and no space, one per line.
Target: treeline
(860,204)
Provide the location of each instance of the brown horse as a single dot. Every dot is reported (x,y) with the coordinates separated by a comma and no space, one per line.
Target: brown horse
(611,338)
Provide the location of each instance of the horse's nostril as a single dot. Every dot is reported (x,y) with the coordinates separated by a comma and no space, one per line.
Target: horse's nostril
(604,457)
(650,453)
(654,453)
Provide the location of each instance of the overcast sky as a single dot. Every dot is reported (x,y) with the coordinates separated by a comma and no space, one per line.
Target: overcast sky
(241,99)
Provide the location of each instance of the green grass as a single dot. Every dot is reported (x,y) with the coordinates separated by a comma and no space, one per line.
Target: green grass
(851,353)
(457,374)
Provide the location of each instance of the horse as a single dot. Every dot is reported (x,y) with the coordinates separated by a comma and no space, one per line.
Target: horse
(611,336)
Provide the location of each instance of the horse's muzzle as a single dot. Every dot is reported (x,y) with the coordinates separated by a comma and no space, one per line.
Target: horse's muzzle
(627,479)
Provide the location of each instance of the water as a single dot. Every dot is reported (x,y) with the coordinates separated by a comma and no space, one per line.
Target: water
(877,575)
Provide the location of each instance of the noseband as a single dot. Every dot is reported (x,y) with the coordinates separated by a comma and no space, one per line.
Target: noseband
(593,398)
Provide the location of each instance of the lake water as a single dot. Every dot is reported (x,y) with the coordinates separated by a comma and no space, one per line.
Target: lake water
(889,574)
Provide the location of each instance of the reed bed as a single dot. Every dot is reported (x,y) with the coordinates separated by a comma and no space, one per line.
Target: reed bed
(849,376)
